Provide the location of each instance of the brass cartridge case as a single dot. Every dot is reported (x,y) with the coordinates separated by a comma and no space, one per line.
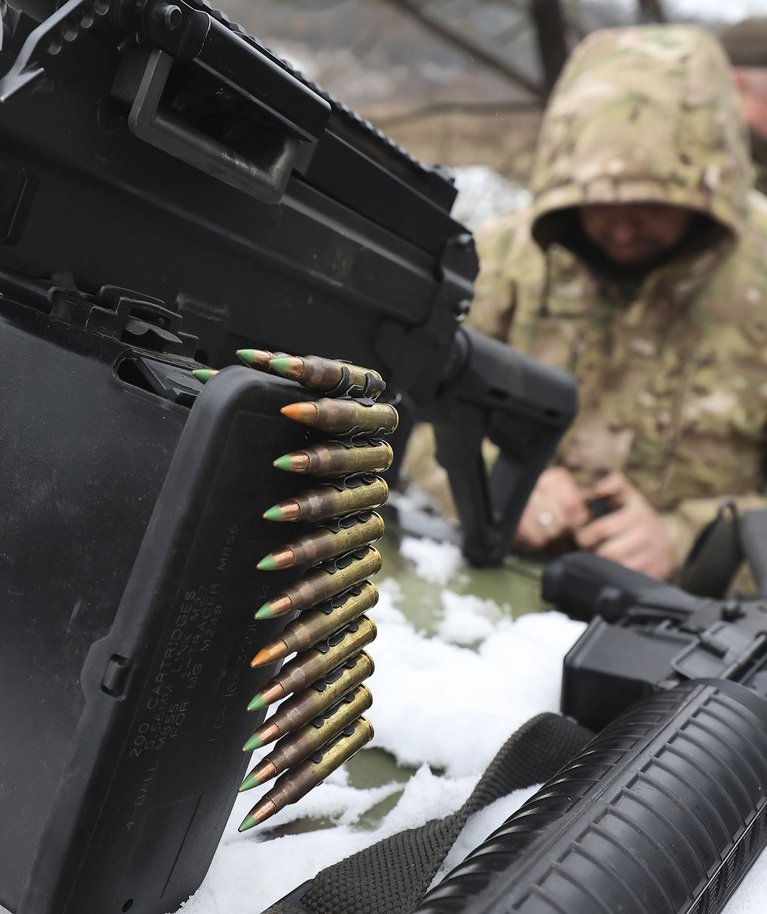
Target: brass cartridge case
(331,501)
(323,544)
(295,747)
(300,709)
(314,625)
(342,378)
(337,459)
(316,662)
(344,416)
(297,782)
(321,584)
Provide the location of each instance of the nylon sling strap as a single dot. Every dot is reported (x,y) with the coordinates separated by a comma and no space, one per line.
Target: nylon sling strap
(392,876)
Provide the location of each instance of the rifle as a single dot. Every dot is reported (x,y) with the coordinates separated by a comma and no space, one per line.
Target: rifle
(171,191)
(664,810)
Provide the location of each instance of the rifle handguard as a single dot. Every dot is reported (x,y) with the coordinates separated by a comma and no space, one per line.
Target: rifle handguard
(662,812)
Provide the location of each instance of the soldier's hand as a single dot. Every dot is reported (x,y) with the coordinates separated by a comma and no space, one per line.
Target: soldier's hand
(556,508)
(634,534)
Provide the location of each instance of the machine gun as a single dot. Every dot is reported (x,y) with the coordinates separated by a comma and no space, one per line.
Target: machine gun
(171,191)
(289,223)
(665,810)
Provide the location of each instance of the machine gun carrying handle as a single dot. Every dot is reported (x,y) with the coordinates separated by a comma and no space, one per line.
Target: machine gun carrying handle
(262,174)
(249,138)
(269,120)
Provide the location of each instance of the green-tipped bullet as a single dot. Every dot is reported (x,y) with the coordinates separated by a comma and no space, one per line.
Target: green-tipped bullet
(274,513)
(336,459)
(297,782)
(338,379)
(295,747)
(268,563)
(354,493)
(256,358)
(297,462)
(254,742)
(322,583)
(325,543)
(299,709)
(316,625)
(204,374)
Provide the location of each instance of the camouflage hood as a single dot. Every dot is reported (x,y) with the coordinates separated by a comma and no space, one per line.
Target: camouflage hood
(643,114)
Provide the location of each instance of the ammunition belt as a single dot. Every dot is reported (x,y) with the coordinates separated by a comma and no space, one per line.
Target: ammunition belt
(319,725)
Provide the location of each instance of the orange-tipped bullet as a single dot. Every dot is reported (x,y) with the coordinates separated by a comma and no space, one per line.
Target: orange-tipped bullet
(344,416)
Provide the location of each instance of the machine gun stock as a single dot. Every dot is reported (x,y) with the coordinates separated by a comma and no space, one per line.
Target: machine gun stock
(523,408)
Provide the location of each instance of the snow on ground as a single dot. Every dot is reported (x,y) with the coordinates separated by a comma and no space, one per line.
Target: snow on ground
(439,706)
(432,561)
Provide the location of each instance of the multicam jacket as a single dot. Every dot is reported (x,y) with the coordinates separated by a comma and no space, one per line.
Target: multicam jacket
(672,367)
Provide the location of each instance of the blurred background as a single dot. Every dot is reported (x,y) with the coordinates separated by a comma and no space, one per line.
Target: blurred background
(461,83)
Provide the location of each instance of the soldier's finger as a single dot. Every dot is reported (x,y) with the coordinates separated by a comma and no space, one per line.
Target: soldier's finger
(625,548)
(613,485)
(598,531)
(566,503)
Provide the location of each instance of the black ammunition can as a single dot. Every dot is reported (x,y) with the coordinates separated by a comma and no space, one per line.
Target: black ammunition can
(131,526)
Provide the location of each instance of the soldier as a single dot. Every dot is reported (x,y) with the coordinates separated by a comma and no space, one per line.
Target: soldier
(640,267)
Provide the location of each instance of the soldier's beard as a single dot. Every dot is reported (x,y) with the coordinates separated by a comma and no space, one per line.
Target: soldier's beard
(563,228)
(612,262)
(641,253)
